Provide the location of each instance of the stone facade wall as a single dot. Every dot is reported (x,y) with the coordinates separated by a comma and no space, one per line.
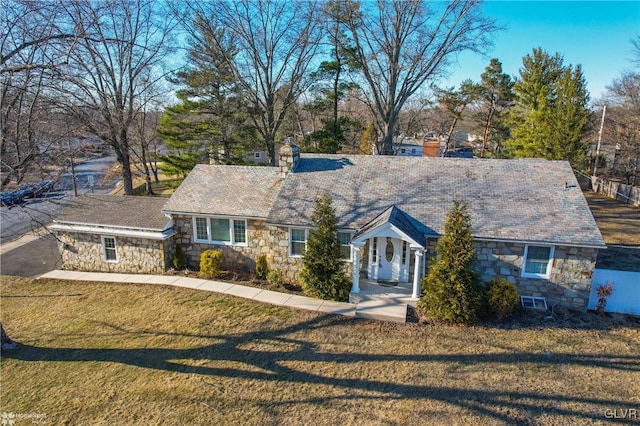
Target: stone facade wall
(271,241)
(569,284)
(571,271)
(83,252)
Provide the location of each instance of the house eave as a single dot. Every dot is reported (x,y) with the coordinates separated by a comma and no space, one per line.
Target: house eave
(394,229)
(167,226)
(542,242)
(115,231)
(188,213)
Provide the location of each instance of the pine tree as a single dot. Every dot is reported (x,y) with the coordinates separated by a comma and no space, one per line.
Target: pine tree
(210,119)
(451,291)
(551,111)
(495,97)
(330,84)
(323,273)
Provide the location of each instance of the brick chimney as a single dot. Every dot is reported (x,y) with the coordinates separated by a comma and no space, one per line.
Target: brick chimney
(288,157)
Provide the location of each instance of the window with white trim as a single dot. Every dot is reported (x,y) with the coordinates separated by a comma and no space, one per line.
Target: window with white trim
(537,261)
(344,238)
(533,302)
(257,155)
(297,241)
(109,250)
(405,252)
(216,230)
(374,251)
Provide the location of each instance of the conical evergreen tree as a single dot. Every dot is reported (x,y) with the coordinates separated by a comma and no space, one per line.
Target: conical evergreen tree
(323,273)
(451,291)
(210,120)
(551,111)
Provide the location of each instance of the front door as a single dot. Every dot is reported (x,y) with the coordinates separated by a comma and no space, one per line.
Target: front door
(388,259)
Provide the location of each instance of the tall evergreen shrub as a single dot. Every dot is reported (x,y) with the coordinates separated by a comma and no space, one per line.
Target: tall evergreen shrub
(323,272)
(451,290)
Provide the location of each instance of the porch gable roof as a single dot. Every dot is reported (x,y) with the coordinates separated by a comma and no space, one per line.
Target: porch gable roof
(396,218)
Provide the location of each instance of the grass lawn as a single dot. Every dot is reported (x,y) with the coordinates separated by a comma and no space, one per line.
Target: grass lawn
(105,354)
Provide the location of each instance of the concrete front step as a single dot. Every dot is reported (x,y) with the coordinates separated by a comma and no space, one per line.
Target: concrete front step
(382,310)
(389,298)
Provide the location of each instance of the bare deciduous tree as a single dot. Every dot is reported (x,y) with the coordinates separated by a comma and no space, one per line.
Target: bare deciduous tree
(401,45)
(277,41)
(114,69)
(454,102)
(623,123)
(33,45)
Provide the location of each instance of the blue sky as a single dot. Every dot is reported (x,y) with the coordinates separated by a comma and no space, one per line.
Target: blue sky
(594,34)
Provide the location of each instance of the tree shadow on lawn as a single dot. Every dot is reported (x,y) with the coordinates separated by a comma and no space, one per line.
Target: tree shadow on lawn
(271,365)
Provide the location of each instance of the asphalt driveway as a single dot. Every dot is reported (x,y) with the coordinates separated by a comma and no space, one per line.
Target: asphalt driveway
(32,259)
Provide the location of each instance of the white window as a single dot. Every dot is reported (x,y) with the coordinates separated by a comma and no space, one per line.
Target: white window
(219,230)
(297,242)
(202,230)
(533,302)
(405,252)
(344,238)
(257,155)
(224,231)
(537,261)
(374,251)
(109,251)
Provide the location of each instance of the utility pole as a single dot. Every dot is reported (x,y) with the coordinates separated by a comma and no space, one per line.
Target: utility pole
(595,163)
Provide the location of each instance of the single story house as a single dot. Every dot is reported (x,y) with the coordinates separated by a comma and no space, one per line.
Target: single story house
(530,220)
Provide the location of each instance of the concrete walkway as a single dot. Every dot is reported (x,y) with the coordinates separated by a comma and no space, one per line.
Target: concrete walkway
(369,309)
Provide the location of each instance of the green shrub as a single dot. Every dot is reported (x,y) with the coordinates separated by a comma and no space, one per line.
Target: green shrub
(275,277)
(502,298)
(262,268)
(179,258)
(451,290)
(323,273)
(210,263)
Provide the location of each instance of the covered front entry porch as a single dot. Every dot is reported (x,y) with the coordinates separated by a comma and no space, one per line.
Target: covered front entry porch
(394,256)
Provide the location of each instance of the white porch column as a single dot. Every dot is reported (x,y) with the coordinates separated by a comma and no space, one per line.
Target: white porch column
(416,273)
(355,250)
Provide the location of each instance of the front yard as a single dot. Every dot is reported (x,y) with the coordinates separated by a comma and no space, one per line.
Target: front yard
(141,354)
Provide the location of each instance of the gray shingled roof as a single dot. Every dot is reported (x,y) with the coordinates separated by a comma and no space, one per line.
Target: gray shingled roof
(115,210)
(245,191)
(522,200)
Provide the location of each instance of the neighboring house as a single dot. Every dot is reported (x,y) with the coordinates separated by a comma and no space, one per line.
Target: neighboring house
(530,221)
(261,156)
(113,233)
(409,147)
